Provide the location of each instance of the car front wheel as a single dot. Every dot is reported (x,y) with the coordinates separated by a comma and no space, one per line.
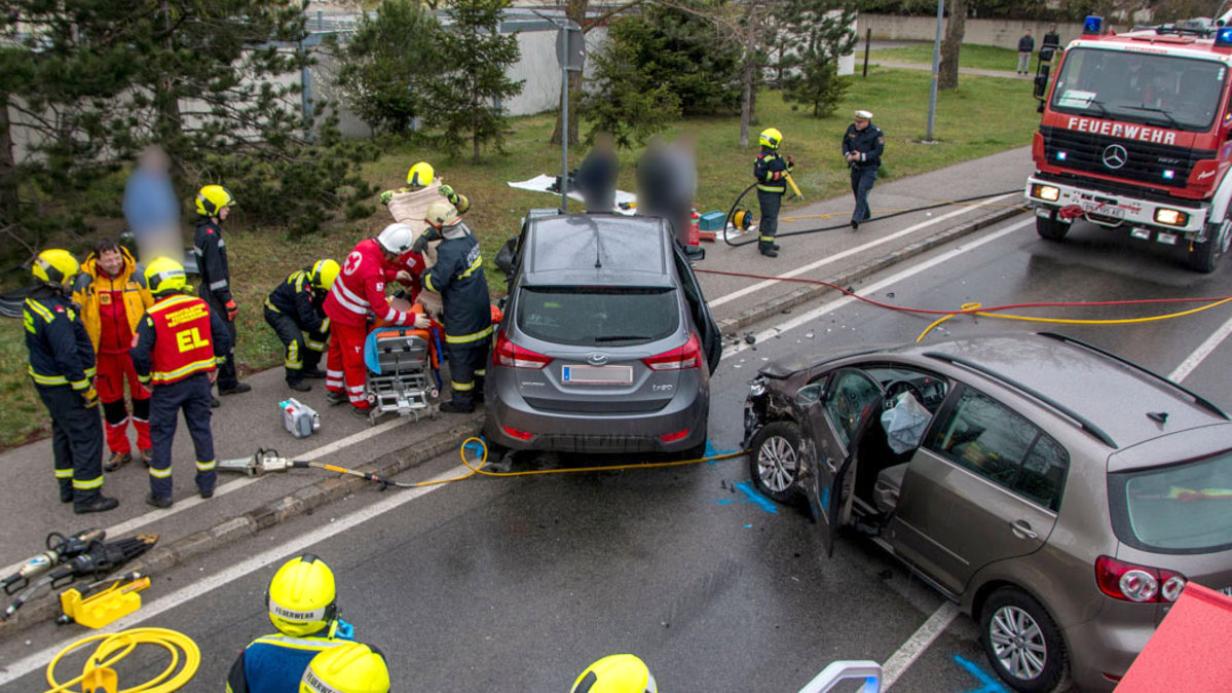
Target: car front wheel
(774,460)
(1022,642)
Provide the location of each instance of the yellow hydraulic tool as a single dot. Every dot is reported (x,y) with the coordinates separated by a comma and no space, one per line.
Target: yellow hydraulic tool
(95,609)
(794,188)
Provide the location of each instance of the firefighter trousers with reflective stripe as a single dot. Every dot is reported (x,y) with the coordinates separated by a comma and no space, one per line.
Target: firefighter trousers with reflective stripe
(192,396)
(298,345)
(467,369)
(227,375)
(76,443)
(346,356)
(768,225)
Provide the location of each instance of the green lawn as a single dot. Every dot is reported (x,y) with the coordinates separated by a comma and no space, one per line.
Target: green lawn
(971,55)
(984,116)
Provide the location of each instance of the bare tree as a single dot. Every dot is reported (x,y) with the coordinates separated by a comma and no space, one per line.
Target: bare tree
(950,47)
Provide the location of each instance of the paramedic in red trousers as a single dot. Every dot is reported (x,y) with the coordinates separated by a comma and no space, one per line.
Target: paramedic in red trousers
(359,293)
(180,343)
(62,367)
(213,206)
(458,277)
(112,296)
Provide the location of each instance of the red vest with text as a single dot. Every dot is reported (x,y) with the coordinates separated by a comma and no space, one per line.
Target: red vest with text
(182,339)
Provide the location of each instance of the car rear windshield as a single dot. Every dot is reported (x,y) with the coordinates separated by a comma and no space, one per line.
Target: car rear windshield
(598,316)
(1180,508)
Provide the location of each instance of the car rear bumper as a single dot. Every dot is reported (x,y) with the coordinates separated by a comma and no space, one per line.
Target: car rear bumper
(598,433)
(1104,645)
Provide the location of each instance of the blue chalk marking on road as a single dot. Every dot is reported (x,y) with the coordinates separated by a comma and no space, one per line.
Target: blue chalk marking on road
(746,487)
(724,501)
(989,683)
(748,526)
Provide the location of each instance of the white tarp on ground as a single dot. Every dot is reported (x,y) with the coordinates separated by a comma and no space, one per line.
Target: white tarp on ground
(544,184)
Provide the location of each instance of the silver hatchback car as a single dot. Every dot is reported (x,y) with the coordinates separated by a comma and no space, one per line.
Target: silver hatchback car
(607,344)
(1059,494)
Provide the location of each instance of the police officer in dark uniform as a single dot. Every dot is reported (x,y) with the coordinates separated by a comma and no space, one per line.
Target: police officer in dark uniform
(62,368)
(862,148)
(458,277)
(213,206)
(180,344)
(770,169)
(296,312)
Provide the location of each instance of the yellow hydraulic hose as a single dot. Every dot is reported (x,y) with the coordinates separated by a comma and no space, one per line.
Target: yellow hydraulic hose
(973,309)
(116,646)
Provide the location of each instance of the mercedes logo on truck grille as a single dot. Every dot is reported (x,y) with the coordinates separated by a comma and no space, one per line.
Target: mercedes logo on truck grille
(1115,156)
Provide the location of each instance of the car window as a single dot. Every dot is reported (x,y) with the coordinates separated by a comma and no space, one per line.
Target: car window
(592,316)
(991,440)
(849,395)
(1178,508)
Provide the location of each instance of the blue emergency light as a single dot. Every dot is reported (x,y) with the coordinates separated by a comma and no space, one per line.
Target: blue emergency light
(1092,24)
(1169,174)
(1061,156)
(1223,37)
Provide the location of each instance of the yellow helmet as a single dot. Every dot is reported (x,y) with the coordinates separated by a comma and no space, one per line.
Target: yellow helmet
(770,137)
(421,175)
(323,274)
(621,673)
(441,213)
(462,203)
(301,597)
(164,275)
(349,668)
(213,198)
(56,267)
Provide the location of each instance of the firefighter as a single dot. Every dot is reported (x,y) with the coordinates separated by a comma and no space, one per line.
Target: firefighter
(358,294)
(301,602)
(770,169)
(62,368)
(458,277)
(862,148)
(296,312)
(352,668)
(112,296)
(178,351)
(213,206)
(422,175)
(620,673)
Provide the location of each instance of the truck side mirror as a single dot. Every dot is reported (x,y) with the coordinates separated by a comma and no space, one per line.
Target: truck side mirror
(1046,53)
(1041,81)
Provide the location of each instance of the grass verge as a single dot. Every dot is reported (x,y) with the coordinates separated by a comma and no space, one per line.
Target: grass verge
(971,55)
(983,116)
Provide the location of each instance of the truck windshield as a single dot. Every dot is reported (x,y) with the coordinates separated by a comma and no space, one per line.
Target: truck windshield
(1175,509)
(1178,93)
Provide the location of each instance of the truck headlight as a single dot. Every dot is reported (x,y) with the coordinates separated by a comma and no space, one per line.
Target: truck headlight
(1047,193)
(1171,217)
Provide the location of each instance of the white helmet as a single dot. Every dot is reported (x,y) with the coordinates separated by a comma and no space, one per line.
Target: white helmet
(441,213)
(396,238)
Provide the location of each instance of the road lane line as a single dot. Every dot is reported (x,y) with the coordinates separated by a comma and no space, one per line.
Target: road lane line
(1199,355)
(38,660)
(851,251)
(223,489)
(916,645)
(809,316)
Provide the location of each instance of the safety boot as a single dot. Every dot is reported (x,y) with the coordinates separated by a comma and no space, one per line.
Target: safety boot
(239,389)
(299,386)
(97,504)
(361,413)
(314,373)
(146,456)
(335,397)
(117,460)
(158,501)
(66,492)
(768,251)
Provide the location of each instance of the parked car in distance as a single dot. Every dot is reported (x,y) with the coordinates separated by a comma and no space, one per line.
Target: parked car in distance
(1059,494)
(606,345)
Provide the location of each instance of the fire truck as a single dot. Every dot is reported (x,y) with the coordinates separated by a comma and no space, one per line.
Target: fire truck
(1136,137)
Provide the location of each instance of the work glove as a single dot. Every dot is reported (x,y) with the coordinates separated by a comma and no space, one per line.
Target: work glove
(232,310)
(91,397)
(387,196)
(791,163)
(447,191)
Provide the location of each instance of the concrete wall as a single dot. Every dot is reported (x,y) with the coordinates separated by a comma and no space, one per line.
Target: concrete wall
(1003,33)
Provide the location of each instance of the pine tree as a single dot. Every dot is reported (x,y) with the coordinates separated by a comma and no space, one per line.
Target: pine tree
(820,34)
(466,94)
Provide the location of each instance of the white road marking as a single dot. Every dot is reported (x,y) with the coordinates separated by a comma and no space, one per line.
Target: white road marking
(753,288)
(915,646)
(809,316)
(38,660)
(1199,355)
(140,521)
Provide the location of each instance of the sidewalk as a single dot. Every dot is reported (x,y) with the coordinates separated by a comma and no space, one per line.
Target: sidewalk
(973,71)
(250,421)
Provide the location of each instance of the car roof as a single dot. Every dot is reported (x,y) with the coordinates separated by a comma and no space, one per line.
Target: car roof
(597,249)
(1112,398)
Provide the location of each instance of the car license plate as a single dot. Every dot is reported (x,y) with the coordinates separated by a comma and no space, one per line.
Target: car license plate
(596,375)
(1104,210)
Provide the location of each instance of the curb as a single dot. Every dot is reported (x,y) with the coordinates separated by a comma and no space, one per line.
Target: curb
(302,502)
(730,327)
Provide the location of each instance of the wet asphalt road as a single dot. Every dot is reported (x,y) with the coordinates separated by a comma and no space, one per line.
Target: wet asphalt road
(517,584)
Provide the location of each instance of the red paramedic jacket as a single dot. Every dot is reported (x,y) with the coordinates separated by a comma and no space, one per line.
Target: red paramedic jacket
(359,290)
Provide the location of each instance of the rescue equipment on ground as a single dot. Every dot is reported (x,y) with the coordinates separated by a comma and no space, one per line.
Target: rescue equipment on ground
(59,549)
(95,562)
(298,418)
(100,603)
(99,674)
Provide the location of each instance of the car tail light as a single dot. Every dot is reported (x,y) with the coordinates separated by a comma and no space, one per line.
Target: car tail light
(687,355)
(675,436)
(511,355)
(1136,583)
(517,434)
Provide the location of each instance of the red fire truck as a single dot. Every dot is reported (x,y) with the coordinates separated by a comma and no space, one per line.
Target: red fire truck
(1136,136)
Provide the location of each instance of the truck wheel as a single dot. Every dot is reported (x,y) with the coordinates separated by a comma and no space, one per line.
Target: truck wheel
(1050,229)
(1204,257)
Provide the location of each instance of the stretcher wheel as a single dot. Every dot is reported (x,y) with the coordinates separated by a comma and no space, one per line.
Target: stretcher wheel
(435,393)
(372,398)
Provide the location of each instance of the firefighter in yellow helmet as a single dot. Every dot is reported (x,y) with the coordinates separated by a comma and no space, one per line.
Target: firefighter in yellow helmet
(620,673)
(214,204)
(351,668)
(61,364)
(422,176)
(301,602)
(770,170)
(296,311)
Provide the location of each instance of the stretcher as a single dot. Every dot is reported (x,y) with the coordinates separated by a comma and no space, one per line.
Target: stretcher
(403,372)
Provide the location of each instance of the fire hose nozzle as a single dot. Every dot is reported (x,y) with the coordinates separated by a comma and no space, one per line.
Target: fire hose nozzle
(262,462)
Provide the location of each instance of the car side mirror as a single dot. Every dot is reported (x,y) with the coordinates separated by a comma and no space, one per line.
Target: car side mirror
(1041,81)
